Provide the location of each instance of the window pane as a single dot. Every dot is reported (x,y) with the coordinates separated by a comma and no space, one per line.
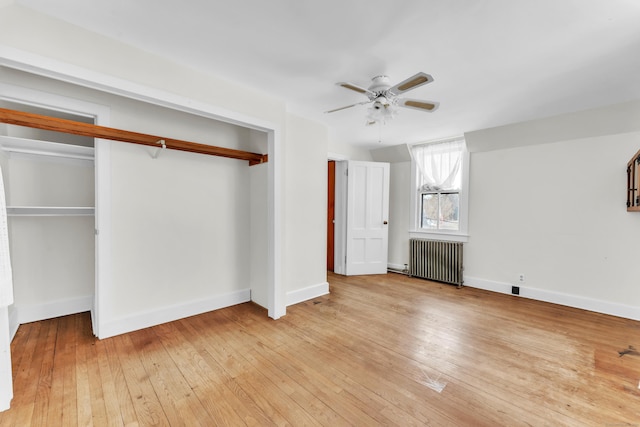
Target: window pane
(429,211)
(449,211)
(440,211)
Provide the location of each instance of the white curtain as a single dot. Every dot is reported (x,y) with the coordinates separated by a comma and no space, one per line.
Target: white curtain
(439,165)
(6,278)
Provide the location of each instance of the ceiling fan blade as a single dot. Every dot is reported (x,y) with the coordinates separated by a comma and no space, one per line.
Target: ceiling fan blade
(348,106)
(411,83)
(419,104)
(355,88)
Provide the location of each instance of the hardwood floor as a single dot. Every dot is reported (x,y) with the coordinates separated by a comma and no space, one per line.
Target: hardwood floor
(373,352)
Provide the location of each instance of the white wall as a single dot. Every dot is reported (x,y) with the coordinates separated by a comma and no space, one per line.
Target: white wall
(306,209)
(555,211)
(339,151)
(399,214)
(180,230)
(399,158)
(259,223)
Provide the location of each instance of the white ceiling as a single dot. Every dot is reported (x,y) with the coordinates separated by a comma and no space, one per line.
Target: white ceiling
(494,61)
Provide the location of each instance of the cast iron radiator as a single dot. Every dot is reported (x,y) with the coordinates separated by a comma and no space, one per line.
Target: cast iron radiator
(436,260)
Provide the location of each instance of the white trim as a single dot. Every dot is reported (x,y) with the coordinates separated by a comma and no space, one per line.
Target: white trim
(583,303)
(6,377)
(336,157)
(49,101)
(51,68)
(45,148)
(103,274)
(13,322)
(436,141)
(276,299)
(175,312)
(340,221)
(50,211)
(102,176)
(305,294)
(27,313)
(80,76)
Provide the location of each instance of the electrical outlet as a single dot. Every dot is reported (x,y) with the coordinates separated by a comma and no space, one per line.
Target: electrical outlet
(521,278)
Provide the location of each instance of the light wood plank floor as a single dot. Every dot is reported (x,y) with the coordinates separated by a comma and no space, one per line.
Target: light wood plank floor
(376,351)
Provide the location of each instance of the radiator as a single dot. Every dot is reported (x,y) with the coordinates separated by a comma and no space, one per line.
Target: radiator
(436,260)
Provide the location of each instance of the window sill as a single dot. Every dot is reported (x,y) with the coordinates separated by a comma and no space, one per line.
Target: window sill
(439,235)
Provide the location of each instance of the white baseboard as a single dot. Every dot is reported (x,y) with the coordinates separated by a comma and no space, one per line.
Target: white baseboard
(6,387)
(6,380)
(34,312)
(13,322)
(5,403)
(575,301)
(305,294)
(169,314)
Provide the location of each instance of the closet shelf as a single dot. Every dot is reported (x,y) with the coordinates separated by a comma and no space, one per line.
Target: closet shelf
(50,211)
(45,148)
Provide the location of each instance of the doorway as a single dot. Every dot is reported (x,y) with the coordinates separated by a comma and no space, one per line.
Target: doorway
(361,217)
(331,213)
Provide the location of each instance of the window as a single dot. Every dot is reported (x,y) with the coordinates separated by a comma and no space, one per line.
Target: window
(440,210)
(440,181)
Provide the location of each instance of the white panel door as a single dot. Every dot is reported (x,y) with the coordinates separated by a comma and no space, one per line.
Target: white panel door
(367,218)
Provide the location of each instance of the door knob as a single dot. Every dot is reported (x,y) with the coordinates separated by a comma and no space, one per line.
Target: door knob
(385,222)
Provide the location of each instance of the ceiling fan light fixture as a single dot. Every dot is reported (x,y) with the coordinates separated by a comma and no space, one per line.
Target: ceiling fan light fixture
(380,113)
(381,102)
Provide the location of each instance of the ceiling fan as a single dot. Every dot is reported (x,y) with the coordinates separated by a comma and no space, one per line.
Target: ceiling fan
(384,97)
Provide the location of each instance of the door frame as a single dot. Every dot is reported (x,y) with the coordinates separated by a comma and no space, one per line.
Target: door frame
(342,216)
(331,214)
(340,229)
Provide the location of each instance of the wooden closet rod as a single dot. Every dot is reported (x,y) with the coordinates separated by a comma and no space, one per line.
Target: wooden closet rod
(39,121)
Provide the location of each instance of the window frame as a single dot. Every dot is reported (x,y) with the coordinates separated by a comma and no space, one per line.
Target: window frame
(460,235)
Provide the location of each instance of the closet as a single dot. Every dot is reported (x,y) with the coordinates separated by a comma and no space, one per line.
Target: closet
(50,194)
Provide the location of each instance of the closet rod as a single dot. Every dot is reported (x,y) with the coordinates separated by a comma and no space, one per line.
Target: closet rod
(39,121)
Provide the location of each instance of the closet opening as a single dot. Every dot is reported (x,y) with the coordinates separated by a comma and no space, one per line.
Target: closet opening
(50,196)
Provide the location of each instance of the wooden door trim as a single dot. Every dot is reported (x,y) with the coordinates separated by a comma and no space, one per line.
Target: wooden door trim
(331,205)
